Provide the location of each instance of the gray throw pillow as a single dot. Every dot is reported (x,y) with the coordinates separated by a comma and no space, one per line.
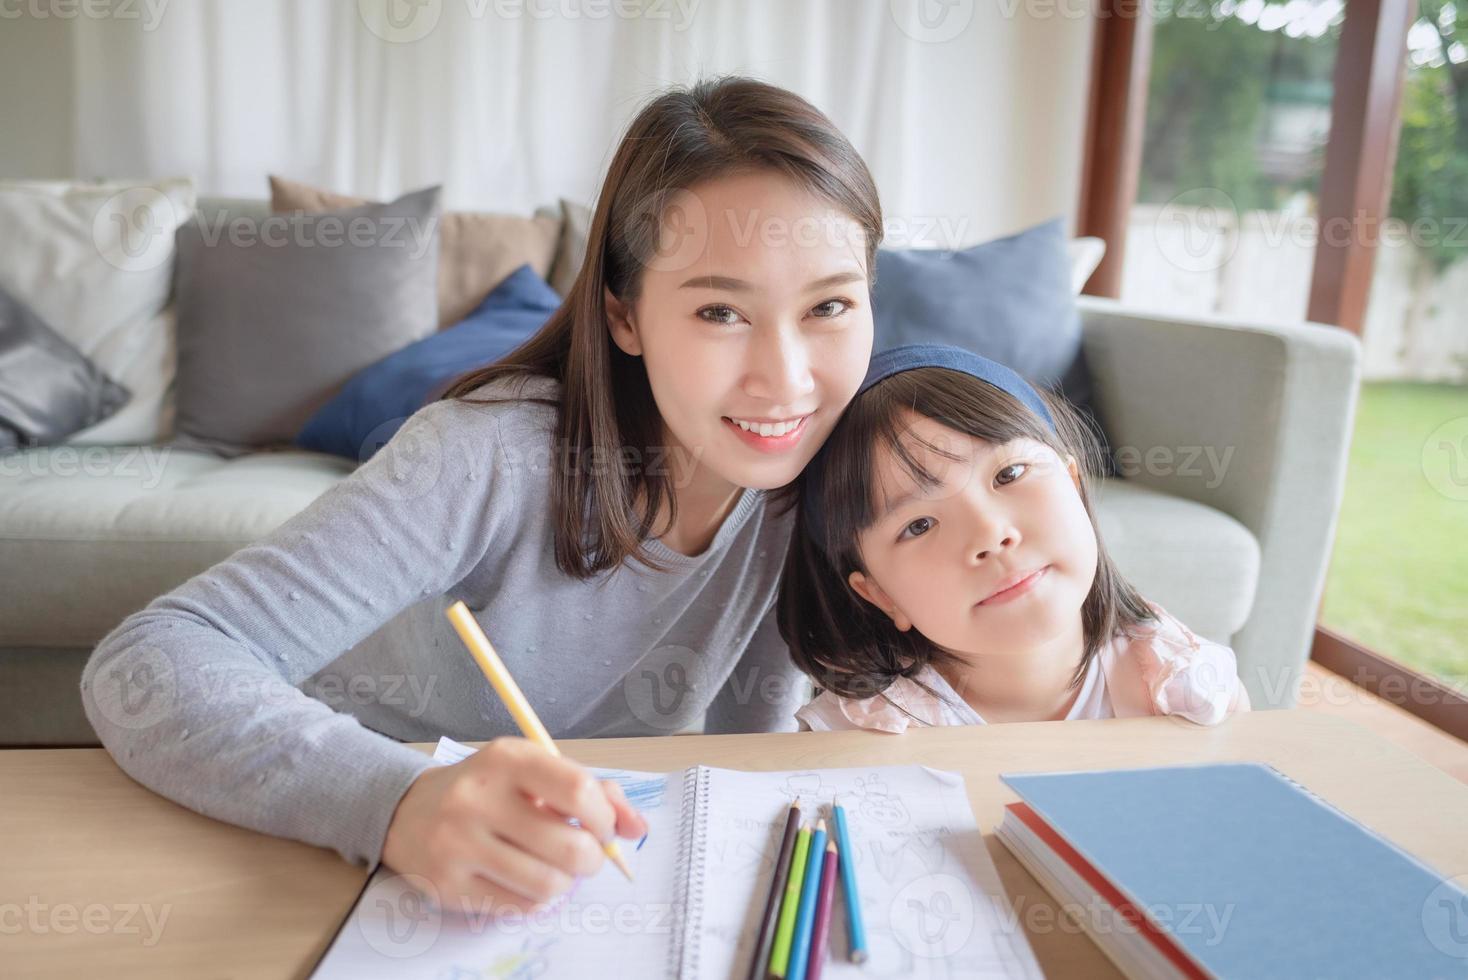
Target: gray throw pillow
(276,313)
(48,389)
(1009,300)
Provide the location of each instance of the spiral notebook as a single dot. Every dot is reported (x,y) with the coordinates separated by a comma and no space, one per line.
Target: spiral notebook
(931,899)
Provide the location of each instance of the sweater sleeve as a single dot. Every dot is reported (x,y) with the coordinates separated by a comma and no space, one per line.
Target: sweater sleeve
(763,691)
(194,695)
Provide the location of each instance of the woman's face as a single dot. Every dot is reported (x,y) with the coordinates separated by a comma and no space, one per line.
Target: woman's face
(754,322)
(998,557)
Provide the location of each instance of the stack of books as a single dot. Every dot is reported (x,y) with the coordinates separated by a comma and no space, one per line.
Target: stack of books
(1232,870)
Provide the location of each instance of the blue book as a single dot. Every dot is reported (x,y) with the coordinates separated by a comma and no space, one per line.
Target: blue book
(1233,870)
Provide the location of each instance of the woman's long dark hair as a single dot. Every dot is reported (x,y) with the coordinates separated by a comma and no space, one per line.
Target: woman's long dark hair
(683,137)
(846,644)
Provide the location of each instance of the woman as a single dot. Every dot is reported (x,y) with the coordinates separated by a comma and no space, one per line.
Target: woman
(601,501)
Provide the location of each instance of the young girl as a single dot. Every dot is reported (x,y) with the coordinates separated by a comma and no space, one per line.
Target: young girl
(946,569)
(599,500)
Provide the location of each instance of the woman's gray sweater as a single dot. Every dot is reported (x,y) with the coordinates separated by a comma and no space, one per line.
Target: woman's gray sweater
(271,690)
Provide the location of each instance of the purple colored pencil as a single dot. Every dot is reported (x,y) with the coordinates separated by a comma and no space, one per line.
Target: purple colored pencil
(822,927)
(766,937)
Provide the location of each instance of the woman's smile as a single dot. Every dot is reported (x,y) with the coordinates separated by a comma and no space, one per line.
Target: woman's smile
(768,435)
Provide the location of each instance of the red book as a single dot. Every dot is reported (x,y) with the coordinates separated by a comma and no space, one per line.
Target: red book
(1155,937)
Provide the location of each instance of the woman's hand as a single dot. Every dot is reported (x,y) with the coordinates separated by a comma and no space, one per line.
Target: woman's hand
(490,832)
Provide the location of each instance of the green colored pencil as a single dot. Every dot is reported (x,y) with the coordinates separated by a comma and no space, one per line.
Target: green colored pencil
(780,955)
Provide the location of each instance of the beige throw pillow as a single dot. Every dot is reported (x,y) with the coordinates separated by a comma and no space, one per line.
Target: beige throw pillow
(477,249)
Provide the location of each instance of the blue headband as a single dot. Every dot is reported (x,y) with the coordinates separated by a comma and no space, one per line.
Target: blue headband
(908,357)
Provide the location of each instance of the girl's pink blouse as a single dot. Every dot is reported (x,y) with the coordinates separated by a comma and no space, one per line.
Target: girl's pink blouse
(1158,668)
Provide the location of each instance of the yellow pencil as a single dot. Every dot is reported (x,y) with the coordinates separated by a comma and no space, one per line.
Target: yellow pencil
(514,699)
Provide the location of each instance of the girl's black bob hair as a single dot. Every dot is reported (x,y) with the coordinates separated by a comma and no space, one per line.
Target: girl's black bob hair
(845,644)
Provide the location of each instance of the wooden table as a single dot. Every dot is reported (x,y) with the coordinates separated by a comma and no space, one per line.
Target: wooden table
(100,877)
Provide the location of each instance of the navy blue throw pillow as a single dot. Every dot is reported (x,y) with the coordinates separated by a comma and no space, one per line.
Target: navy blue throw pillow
(1009,300)
(378,399)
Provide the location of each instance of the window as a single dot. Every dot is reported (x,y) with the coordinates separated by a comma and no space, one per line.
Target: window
(1398,581)
(1238,114)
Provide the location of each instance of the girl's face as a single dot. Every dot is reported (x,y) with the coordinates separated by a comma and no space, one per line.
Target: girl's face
(754,323)
(997,558)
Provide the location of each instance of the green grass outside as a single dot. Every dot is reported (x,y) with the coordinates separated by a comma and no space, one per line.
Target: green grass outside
(1399,573)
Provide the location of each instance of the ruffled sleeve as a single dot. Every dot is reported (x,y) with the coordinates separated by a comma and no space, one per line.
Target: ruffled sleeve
(902,704)
(1182,673)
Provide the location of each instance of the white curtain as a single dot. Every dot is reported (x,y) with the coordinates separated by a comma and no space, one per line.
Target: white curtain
(969,115)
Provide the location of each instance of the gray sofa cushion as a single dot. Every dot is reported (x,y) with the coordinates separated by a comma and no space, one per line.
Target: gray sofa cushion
(89,534)
(1196,562)
(125,526)
(276,314)
(48,390)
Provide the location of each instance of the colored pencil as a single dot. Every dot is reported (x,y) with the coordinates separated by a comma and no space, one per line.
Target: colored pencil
(768,919)
(504,685)
(780,952)
(855,931)
(824,900)
(806,917)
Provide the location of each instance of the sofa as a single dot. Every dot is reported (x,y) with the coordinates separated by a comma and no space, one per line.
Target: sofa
(1229,440)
